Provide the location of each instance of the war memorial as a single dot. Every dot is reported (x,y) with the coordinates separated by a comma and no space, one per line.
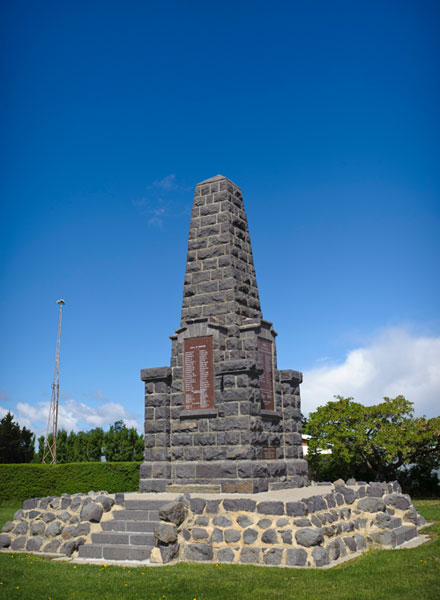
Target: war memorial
(222,414)
(224,478)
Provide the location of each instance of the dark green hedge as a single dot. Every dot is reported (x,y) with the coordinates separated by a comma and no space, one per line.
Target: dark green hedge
(19,482)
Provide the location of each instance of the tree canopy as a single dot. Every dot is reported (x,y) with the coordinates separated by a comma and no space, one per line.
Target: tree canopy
(372,442)
(16,444)
(119,443)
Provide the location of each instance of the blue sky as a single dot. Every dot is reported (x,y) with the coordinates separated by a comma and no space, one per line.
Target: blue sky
(325,114)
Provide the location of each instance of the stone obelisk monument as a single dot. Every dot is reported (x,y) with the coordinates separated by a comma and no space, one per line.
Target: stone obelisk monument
(222,415)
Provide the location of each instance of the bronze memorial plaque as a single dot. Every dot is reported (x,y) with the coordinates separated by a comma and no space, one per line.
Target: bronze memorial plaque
(198,373)
(266,378)
(269,453)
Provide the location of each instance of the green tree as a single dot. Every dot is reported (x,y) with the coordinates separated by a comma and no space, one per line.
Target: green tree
(122,444)
(16,444)
(372,442)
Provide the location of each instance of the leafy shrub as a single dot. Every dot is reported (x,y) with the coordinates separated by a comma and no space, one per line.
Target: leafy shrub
(19,482)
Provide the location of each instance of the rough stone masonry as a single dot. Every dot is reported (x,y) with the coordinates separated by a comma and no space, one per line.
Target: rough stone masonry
(222,414)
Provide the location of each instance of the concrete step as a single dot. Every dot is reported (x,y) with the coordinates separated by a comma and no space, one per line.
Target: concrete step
(117,552)
(135,515)
(194,488)
(123,526)
(145,504)
(133,539)
(128,535)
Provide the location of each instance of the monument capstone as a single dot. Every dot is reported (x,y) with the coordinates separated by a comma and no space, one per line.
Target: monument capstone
(222,414)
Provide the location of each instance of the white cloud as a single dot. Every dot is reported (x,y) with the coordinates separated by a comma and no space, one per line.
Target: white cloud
(167,183)
(394,362)
(162,202)
(3,412)
(74,416)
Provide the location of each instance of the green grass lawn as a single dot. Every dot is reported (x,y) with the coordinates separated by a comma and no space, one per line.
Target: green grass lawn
(376,575)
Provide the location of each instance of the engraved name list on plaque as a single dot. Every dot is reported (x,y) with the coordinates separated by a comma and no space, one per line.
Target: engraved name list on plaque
(198,369)
(266,378)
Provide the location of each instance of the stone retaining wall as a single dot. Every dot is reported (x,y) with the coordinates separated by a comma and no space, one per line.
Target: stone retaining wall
(312,532)
(56,525)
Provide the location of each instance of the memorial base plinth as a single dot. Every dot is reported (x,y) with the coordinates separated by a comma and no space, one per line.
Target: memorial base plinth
(245,477)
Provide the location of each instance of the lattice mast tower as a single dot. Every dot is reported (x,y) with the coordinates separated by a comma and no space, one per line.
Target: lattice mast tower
(50,448)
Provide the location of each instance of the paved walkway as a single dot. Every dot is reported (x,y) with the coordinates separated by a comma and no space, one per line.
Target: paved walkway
(286,495)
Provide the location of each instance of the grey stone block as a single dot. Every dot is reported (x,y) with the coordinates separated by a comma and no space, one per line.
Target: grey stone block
(69,532)
(371,504)
(222,522)
(264,523)
(8,526)
(165,533)
(360,541)
(375,490)
(232,535)
(397,501)
(225,555)
(174,512)
(37,527)
(296,509)
(199,533)
(302,522)
(169,552)
(309,537)
(33,514)
(65,502)
(54,529)
(316,521)
(250,555)
(273,556)
(348,493)
(5,541)
(333,550)
(106,502)
(241,504)
(269,536)
(282,522)
(91,512)
(65,516)
(320,556)
(410,532)
(350,542)
(386,538)
(21,528)
(68,548)
(212,507)
(270,508)
(142,540)
(296,557)
(197,505)
(244,521)
(249,536)
(18,543)
(34,543)
(31,503)
(52,546)
(286,536)
(217,535)
(198,552)
(55,503)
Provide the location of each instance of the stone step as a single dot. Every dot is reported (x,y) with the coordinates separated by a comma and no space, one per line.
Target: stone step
(135,515)
(194,488)
(117,552)
(132,539)
(123,526)
(145,504)
(281,485)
